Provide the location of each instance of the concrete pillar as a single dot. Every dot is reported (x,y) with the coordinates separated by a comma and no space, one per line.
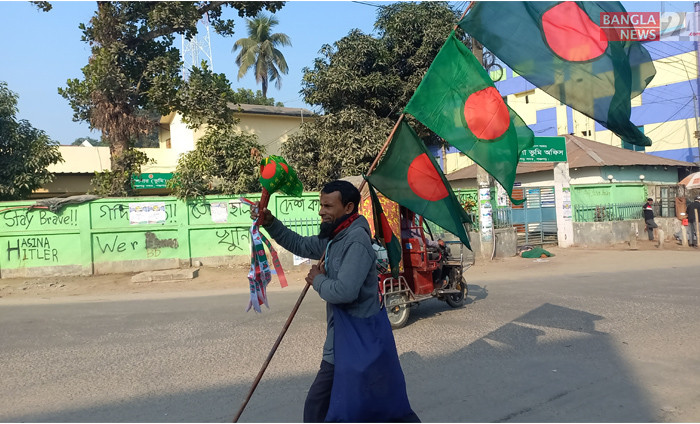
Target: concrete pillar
(562,203)
(485,213)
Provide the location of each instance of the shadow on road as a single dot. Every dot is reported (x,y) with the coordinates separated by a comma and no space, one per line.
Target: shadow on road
(547,365)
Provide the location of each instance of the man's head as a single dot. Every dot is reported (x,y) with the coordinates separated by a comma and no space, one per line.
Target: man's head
(339,199)
(650,200)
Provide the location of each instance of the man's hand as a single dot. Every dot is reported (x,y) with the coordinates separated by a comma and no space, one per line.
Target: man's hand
(267,215)
(314,271)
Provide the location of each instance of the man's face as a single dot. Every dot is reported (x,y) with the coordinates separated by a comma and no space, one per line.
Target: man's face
(332,207)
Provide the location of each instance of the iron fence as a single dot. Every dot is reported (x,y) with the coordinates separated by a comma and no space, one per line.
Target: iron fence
(607,212)
(303,226)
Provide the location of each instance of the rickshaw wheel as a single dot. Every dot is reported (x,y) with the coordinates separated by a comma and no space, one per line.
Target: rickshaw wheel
(456,300)
(398,314)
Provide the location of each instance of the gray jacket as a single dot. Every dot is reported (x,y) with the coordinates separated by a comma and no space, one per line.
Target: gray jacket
(351,274)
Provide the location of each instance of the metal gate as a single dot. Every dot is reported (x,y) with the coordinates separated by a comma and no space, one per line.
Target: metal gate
(535,221)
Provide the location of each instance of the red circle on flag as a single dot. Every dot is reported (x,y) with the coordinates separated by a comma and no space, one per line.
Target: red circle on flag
(571,33)
(284,166)
(269,170)
(424,179)
(486,114)
(386,229)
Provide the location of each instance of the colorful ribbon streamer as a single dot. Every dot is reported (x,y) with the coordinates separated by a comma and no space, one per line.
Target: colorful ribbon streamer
(260,274)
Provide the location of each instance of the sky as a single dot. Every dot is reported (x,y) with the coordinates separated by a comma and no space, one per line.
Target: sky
(40,51)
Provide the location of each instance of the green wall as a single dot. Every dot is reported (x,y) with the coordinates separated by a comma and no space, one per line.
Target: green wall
(603,194)
(99,236)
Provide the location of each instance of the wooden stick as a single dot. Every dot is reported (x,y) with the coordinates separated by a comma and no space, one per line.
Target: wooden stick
(383,149)
(272,352)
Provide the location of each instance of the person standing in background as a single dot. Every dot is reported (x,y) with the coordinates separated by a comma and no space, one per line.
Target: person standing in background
(648,211)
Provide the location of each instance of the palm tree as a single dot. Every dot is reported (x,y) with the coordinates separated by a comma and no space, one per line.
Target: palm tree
(260,51)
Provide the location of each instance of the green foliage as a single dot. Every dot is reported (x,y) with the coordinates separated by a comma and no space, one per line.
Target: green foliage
(335,145)
(260,51)
(374,76)
(117,182)
(221,163)
(204,99)
(380,74)
(246,96)
(134,70)
(25,152)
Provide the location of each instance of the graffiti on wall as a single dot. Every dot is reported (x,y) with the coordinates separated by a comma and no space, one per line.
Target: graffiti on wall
(25,219)
(31,249)
(202,212)
(297,206)
(117,214)
(227,241)
(135,245)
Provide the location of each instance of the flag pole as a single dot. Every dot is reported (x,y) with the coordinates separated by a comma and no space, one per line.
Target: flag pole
(398,121)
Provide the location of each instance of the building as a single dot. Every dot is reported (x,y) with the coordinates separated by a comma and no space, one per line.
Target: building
(272,124)
(598,173)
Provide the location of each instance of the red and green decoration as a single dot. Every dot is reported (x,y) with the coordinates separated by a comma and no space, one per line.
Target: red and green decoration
(277,175)
(560,48)
(384,234)
(458,101)
(408,175)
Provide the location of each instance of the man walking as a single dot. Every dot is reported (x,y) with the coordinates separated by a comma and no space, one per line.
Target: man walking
(693,208)
(648,210)
(360,378)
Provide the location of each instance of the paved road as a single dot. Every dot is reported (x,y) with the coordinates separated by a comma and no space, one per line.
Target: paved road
(588,346)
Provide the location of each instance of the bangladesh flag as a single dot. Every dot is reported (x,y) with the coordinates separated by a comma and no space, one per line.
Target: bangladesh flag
(561,48)
(408,175)
(385,235)
(458,101)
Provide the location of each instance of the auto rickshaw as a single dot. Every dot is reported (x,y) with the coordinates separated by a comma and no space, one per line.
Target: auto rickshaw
(426,272)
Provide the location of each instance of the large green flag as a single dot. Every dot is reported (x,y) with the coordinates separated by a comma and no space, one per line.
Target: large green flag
(383,232)
(561,48)
(458,101)
(408,175)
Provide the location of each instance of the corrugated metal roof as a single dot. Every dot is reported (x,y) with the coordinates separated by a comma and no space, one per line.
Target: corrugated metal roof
(271,110)
(583,153)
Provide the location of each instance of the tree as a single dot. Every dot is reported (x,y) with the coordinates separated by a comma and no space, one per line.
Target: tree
(25,152)
(368,77)
(134,72)
(260,51)
(246,96)
(336,145)
(221,163)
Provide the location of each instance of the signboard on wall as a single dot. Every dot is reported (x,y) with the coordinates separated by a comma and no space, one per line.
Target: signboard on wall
(545,149)
(150,180)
